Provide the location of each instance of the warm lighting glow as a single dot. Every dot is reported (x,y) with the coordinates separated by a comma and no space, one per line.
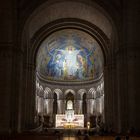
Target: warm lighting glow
(61,121)
(88,125)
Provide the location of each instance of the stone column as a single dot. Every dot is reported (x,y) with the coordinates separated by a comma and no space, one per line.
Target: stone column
(10,87)
(128,69)
(132,44)
(36,104)
(91,106)
(79,106)
(88,109)
(60,106)
(27,96)
(40,106)
(98,105)
(102,105)
(45,106)
(63,106)
(10,62)
(94,107)
(76,106)
(106,88)
(50,107)
(133,86)
(109,93)
(6,118)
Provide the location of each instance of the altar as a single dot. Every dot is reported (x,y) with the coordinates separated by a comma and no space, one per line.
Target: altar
(76,122)
(69,119)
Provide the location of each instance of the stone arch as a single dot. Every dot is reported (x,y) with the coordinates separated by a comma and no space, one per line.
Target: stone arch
(97,17)
(47,93)
(96,23)
(69,98)
(92,92)
(98,91)
(80,93)
(59,93)
(71,23)
(40,91)
(95,14)
(68,91)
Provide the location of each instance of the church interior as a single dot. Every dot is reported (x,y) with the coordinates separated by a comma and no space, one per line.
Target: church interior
(69,69)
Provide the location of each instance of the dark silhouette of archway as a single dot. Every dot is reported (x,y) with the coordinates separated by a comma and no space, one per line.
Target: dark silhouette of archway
(84,108)
(55,104)
(69,96)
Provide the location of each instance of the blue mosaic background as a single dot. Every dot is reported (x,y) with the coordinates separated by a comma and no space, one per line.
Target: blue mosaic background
(70,54)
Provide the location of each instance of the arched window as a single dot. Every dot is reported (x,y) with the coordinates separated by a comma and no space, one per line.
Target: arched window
(69,104)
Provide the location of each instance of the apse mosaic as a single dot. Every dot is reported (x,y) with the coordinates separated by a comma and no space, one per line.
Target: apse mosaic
(71,55)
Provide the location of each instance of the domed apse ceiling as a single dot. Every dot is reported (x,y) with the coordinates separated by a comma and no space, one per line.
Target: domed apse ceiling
(69,55)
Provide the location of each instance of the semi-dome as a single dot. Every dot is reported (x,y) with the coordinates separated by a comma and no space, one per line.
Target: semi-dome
(69,55)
